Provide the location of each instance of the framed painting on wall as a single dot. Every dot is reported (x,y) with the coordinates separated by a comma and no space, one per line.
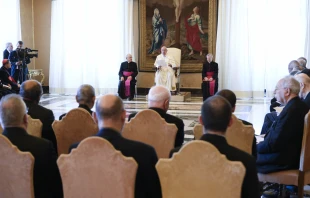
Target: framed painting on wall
(189,25)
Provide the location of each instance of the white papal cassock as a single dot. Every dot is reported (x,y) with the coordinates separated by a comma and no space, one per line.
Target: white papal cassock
(166,75)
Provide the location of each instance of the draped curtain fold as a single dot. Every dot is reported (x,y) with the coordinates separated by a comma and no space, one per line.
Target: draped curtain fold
(10,23)
(256,40)
(89,40)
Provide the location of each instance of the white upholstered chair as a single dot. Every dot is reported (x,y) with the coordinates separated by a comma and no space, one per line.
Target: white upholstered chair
(34,127)
(16,171)
(96,169)
(176,54)
(200,170)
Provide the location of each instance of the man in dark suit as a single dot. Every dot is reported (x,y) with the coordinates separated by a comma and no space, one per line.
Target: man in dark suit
(6,78)
(281,147)
(85,97)
(209,83)
(231,98)
(31,91)
(304,81)
(158,100)
(110,116)
(19,70)
(216,117)
(8,50)
(127,72)
(46,177)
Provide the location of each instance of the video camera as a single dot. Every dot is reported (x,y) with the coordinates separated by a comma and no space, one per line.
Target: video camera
(27,53)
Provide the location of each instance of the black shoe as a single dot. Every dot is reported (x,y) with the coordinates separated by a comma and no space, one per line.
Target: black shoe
(130,98)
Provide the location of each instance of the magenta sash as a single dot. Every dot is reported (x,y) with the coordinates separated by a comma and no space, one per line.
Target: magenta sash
(211,83)
(127,83)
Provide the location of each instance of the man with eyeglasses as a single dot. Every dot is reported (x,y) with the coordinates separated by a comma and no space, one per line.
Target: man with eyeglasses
(281,147)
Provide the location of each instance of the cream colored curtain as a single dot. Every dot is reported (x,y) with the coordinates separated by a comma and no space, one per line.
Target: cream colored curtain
(89,40)
(256,40)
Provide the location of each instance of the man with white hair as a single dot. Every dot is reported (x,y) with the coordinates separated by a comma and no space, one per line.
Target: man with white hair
(46,177)
(85,97)
(158,100)
(165,75)
(281,147)
(127,78)
(8,50)
(304,82)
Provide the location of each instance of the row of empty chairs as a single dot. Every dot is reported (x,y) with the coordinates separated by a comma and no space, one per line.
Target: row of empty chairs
(102,161)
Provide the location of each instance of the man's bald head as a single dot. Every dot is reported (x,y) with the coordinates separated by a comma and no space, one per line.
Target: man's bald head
(158,97)
(109,107)
(31,90)
(304,82)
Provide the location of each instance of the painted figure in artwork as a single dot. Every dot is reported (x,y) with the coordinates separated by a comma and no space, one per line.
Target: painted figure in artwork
(178,4)
(159,31)
(194,31)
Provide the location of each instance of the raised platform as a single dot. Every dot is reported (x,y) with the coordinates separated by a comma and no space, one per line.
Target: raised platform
(180,97)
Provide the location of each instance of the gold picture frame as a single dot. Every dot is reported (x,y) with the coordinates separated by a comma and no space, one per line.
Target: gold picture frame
(190,63)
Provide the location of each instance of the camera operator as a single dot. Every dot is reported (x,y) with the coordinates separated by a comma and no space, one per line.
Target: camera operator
(19,60)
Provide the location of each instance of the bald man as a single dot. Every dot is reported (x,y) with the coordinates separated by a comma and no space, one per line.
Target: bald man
(31,92)
(110,116)
(127,78)
(158,100)
(165,75)
(304,81)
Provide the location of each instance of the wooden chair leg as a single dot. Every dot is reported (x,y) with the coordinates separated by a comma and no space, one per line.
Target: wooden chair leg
(301,184)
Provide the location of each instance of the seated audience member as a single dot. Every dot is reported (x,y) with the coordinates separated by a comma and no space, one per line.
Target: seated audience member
(85,97)
(304,81)
(281,147)
(4,90)
(127,76)
(296,67)
(216,117)
(6,78)
(31,91)
(231,98)
(158,100)
(303,62)
(110,116)
(46,177)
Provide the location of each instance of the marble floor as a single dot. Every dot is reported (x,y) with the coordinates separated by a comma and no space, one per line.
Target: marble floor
(252,110)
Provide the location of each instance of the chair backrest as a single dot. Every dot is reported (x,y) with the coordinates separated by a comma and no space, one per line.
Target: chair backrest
(240,136)
(150,128)
(16,171)
(74,127)
(34,127)
(1,129)
(200,170)
(198,131)
(176,54)
(304,164)
(96,169)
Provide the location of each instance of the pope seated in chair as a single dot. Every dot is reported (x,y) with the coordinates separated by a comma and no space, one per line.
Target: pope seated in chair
(165,74)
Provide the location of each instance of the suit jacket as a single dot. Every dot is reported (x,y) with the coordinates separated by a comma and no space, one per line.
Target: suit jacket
(47,118)
(6,54)
(250,185)
(147,181)
(5,78)
(307,100)
(80,106)
(210,67)
(131,67)
(46,177)
(281,147)
(179,139)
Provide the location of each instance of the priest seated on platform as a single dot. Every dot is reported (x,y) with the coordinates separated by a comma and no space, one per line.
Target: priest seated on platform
(165,74)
